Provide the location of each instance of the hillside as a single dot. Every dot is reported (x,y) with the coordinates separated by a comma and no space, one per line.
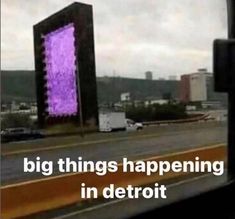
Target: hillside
(20,86)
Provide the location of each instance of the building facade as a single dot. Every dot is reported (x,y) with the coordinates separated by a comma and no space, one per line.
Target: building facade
(172,77)
(148,75)
(197,87)
(185,88)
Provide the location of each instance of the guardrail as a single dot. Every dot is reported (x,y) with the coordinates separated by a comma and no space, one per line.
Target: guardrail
(194,119)
(40,195)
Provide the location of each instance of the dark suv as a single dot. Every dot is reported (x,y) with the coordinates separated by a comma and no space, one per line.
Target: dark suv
(19,134)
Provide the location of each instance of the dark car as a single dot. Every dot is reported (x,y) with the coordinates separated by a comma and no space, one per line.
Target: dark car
(19,134)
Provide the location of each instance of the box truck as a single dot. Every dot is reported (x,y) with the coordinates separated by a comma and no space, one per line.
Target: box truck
(111,121)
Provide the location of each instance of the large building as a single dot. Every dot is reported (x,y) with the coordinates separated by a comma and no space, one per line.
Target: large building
(199,87)
(172,77)
(196,86)
(148,75)
(185,88)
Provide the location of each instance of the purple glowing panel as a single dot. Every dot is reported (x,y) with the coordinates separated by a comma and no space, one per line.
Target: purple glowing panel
(61,75)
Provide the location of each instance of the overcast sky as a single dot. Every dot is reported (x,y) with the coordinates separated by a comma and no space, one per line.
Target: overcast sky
(167,37)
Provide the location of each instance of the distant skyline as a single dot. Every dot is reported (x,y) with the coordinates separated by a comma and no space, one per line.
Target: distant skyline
(166,37)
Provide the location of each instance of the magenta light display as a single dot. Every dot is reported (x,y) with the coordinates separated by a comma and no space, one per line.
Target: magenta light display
(61,72)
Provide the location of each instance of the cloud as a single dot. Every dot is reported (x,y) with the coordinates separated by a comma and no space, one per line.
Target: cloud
(131,36)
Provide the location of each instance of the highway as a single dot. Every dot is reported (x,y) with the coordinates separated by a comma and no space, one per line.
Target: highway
(150,142)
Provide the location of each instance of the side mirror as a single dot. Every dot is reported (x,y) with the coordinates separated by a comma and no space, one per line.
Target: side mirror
(224,65)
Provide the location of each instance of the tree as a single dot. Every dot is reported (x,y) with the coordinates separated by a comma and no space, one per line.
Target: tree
(155,112)
(13,120)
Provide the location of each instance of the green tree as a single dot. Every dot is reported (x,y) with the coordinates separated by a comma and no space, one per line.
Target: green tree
(170,111)
(13,120)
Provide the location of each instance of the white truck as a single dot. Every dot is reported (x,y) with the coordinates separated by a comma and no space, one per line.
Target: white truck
(111,121)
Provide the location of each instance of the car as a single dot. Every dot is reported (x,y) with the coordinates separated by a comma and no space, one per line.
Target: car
(132,125)
(19,134)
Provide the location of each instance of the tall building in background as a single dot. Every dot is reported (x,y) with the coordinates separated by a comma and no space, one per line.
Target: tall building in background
(196,86)
(149,75)
(202,86)
(198,90)
(172,77)
(185,88)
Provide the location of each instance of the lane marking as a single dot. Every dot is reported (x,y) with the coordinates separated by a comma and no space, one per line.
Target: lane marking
(145,159)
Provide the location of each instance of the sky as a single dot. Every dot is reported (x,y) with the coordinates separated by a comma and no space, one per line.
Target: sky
(167,37)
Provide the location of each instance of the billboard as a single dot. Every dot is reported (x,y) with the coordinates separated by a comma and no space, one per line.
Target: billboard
(65,67)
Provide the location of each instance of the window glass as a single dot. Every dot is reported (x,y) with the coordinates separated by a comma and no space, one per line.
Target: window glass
(155,98)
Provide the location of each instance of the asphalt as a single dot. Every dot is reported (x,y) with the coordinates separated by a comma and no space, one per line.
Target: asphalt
(138,146)
(51,143)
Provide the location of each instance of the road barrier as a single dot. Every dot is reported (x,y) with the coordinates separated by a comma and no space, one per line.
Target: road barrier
(50,193)
(203,117)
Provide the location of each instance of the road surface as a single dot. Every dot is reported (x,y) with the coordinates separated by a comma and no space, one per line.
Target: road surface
(138,146)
